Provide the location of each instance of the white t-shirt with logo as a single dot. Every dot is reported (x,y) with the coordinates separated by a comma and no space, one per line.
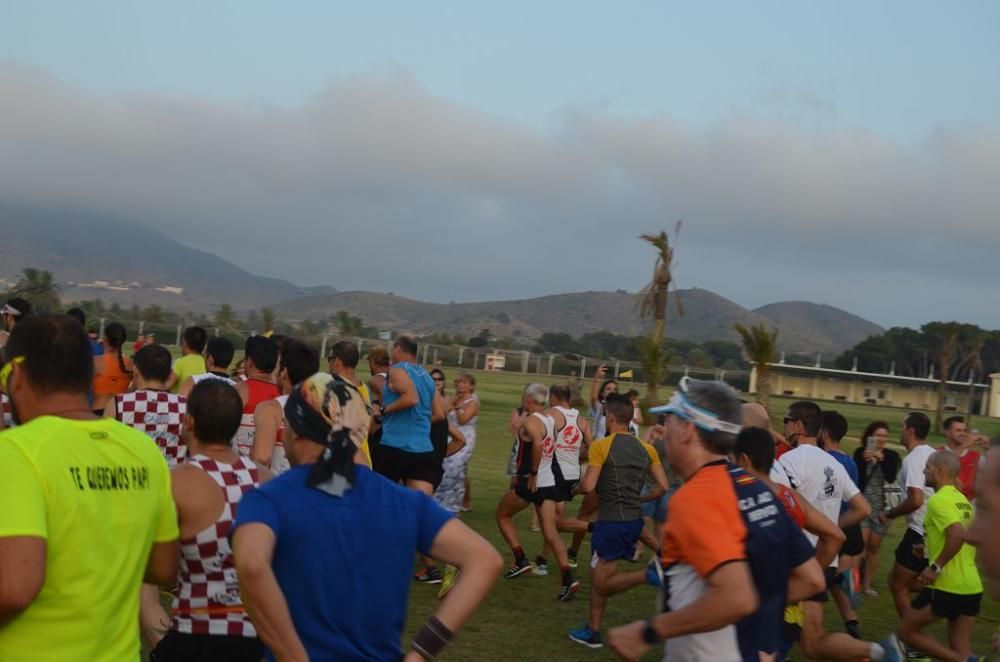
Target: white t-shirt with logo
(911,474)
(820,479)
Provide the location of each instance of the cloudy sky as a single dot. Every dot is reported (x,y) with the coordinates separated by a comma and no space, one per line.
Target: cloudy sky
(846,154)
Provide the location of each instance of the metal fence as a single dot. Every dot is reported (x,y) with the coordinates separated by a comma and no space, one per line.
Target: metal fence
(513,361)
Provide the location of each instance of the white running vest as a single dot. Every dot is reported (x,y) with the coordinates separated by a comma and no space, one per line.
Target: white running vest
(568,443)
(546,478)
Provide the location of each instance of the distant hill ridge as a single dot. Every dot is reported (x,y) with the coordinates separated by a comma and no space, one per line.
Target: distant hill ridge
(141,266)
(804,327)
(80,248)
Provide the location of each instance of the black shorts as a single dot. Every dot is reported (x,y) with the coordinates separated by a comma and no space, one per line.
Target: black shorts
(561,492)
(830,574)
(914,560)
(855,542)
(948,605)
(206,648)
(399,465)
(522,491)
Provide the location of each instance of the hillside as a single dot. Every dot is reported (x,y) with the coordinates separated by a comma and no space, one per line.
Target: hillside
(708,316)
(92,256)
(820,320)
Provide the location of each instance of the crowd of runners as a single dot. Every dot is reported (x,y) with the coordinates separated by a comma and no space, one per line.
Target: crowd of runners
(251,525)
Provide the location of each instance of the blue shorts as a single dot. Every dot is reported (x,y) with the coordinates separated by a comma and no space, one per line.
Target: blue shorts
(612,541)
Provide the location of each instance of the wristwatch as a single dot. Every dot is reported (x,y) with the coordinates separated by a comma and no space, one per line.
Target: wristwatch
(649,633)
(935,568)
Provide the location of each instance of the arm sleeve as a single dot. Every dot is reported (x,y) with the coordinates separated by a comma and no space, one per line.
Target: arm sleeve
(599,452)
(166,519)
(913,476)
(431,518)
(653,456)
(859,462)
(22,495)
(787,465)
(257,507)
(705,534)
(939,511)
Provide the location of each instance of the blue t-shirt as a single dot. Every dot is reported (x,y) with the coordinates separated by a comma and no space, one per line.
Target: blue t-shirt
(850,467)
(344,563)
(96,348)
(410,429)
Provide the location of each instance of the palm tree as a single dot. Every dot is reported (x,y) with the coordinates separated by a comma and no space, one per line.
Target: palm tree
(653,304)
(39,288)
(945,336)
(347,324)
(760,345)
(225,318)
(267,319)
(973,362)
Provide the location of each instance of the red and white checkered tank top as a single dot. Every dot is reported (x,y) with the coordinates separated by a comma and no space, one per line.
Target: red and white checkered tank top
(160,415)
(208,598)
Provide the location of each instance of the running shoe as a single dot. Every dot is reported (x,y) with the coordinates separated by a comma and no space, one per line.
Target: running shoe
(853,628)
(450,575)
(654,574)
(540,569)
(572,562)
(586,636)
(871,593)
(894,649)
(568,591)
(430,575)
(518,569)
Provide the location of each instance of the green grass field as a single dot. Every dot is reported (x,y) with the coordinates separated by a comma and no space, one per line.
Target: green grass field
(522,620)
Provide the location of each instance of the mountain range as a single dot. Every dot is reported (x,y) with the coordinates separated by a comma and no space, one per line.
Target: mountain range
(93,256)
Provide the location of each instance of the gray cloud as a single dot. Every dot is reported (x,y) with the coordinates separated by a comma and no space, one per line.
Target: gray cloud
(376,184)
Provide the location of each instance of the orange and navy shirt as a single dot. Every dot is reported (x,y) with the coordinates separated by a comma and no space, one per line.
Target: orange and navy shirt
(722,514)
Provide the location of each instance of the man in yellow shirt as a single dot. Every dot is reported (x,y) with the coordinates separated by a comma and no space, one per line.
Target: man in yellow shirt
(953,589)
(192,362)
(87,512)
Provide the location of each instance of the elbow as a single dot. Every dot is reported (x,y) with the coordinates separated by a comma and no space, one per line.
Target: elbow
(162,574)
(17,599)
(744,603)
(838,538)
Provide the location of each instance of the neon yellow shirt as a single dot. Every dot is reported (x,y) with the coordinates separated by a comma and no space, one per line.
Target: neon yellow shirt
(946,507)
(188,366)
(99,493)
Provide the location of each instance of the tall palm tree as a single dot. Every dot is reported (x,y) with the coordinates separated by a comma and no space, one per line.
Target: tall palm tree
(653,301)
(267,319)
(761,347)
(973,362)
(945,336)
(225,318)
(39,288)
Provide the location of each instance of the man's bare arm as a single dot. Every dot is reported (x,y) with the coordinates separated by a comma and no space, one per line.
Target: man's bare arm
(401,383)
(253,551)
(22,573)
(859,509)
(267,421)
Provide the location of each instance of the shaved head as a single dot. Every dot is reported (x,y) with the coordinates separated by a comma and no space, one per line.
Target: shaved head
(755,416)
(947,462)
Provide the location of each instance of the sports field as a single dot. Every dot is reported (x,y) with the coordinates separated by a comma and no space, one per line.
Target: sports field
(522,620)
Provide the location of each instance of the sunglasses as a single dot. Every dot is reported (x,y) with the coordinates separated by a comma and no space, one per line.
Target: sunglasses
(7,369)
(438,379)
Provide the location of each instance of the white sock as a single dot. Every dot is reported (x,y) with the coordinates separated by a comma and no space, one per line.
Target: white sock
(877,653)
